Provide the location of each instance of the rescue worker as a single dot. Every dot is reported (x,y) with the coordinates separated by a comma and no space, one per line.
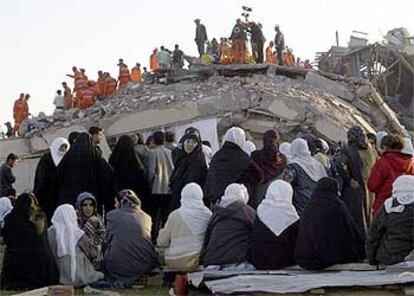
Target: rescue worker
(20,111)
(270,55)
(238,37)
(201,36)
(178,57)
(226,56)
(124,76)
(279,44)
(101,84)
(289,58)
(110,85)
(88,98)
(154,61)
(136,75)
(83,73)
(67,97)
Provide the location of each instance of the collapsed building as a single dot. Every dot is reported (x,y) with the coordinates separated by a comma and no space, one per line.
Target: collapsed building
(388,65)
(213,98)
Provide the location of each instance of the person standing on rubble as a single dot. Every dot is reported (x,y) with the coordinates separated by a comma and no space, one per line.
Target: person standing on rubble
(163,58)
(124,76)
(279,44)
(154,64)
(257,40)
(146,76)
(238,36)
(110,85)
(289,58)
(59,101)
(200,36)
(67,97)
(178,57)
(136,75)
(20,111)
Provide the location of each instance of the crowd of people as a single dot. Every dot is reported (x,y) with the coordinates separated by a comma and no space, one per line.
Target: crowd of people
(110,223)
(231,50)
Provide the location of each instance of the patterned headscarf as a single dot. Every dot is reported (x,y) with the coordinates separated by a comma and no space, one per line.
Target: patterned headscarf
(357,136)
(129,199)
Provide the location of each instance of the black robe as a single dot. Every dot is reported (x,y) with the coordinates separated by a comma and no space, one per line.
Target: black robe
(228,235)
(328,234)
(28,261)
(46,187)
(270,252)
(129,172)
(228,166)
(191,167)
(81,170)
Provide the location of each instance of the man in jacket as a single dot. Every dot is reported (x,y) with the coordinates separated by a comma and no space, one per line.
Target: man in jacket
(279,44)
(258,41)
(6,176)
(200,36)
(238,36)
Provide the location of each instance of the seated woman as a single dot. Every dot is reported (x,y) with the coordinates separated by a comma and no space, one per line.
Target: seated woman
(328,234)
(228,233)
(88,218)
(183,234)
(391,237)
(75,254)
(275,229)
(28,262)
(128,251)
(5,209)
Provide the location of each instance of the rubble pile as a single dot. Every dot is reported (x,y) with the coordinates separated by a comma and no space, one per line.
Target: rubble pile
(324,106)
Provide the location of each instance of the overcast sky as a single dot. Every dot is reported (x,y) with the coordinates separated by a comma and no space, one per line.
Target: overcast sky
(42,39)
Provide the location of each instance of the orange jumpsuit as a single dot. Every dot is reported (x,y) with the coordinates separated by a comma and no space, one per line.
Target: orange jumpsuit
(123,77)
(101,85)
(20,113)
(154,62)
(225,54)
(67,98)
(88,98)
(136,75)
(110,86)
(289,59)
(80,84)
(239,51)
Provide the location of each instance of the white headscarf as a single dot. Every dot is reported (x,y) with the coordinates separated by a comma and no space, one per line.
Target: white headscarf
(193,211)
(403,192)
(57,155)
(301,155)
(249,147)
(325,146)
(408,147)
(284,148)
(276,211)
(380,135)
(67,234)
(234,192)
(5,208)
(236,136)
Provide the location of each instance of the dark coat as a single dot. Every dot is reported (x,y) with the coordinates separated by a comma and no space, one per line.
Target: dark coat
(227,166)
(201,34)
(328,234)
(270,252)
(227,239)
(303,186)
(129,171)
(189,168)
(28,261)
(391,236)
(6,181)
(46,187)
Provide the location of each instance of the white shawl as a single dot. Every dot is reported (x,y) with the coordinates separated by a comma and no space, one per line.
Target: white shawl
(403,192)
(57,155)
(193,211)
(276,211)
(236,136)
(5,208)
(234,192)
(301,155)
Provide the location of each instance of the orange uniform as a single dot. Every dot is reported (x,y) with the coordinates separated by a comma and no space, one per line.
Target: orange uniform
(239,51)
(101,85)
(270,55)
(123,77)
(226,56)
(136,75)
(289,59)
(154,62)
(20,112)
(67,98)
(88,98)
(110,86)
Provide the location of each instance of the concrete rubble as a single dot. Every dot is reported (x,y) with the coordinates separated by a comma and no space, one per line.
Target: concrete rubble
(258,100)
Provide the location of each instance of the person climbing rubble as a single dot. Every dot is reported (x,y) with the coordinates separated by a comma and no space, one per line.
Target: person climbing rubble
(178,57)
(154,65)
(288,57)
(136,75)
(67,97)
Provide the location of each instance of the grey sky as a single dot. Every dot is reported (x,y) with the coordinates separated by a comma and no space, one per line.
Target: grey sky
(42,39)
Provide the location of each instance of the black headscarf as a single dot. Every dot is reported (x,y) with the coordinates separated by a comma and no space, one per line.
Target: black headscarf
(129,171)
(190,167)
(356,136)
(326,187)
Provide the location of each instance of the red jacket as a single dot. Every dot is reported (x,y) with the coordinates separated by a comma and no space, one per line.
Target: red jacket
(389,167)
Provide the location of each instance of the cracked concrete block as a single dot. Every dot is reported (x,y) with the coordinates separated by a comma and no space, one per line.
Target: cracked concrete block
(329,86)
